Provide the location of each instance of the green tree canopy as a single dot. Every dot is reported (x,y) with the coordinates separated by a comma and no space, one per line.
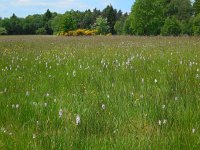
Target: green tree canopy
(172,26)
(196,7)
(102,25)
(63,23)
(31,23)
(196,25)
(119,25)
(3,31)
(181,9)
(13,25)
(111,15)
(147,17)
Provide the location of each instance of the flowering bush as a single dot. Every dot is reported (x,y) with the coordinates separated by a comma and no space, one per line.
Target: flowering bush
(79,32)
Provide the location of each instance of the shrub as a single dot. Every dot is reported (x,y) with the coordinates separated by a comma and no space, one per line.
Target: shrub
(91,32)
(41,31)
(171,27)
(79,32)
(186,27)
(3,31)
(102,26)
(196,25)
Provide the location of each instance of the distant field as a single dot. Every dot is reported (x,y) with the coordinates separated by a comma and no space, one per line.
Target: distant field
(102,92)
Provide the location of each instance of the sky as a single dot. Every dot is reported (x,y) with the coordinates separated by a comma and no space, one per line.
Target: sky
(23,8)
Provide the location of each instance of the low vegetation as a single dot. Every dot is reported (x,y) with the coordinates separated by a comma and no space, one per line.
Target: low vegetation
(99,92)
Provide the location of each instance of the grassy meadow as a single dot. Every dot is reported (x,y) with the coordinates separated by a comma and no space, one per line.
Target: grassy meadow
(101,92)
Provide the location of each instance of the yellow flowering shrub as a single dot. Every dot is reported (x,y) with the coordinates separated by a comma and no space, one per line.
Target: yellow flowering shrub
(79,32)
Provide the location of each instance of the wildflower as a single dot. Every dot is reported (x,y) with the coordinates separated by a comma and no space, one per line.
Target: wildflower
(47,94)
(155,80)
(159,122)
(190,64)
(45,104)
(193,130)
(142,80)
(132,94)
(103,106)
(176,98)
(113,85)
(3,130)
(115,131)
(74,73)
(17,106)
(78,120)
(13,105)
(163,106)
(164,121)
(34,136)
(60,113)
(27,93)
(34,103)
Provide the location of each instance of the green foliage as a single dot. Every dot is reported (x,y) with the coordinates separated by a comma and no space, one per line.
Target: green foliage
(3,31)
(186,27)
(111,15)
(119,25)
(47,16)
(31,23)
(101,25)
(47,22)
(196,7)
(147,17)
(1,21)
(13,25)
(181,9)
(196,25)
(171,27)
(56,24)
(68,23)
(127,26)
(41,31)
(87,20)
(63,23)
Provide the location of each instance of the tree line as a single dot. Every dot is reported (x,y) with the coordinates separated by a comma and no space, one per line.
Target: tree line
(147,17)
(164,17)
(53,23)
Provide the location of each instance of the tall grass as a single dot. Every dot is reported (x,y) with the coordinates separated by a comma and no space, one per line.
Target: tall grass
(99,92)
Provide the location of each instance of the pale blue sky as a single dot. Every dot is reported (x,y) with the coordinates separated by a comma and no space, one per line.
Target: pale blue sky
(23,8)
